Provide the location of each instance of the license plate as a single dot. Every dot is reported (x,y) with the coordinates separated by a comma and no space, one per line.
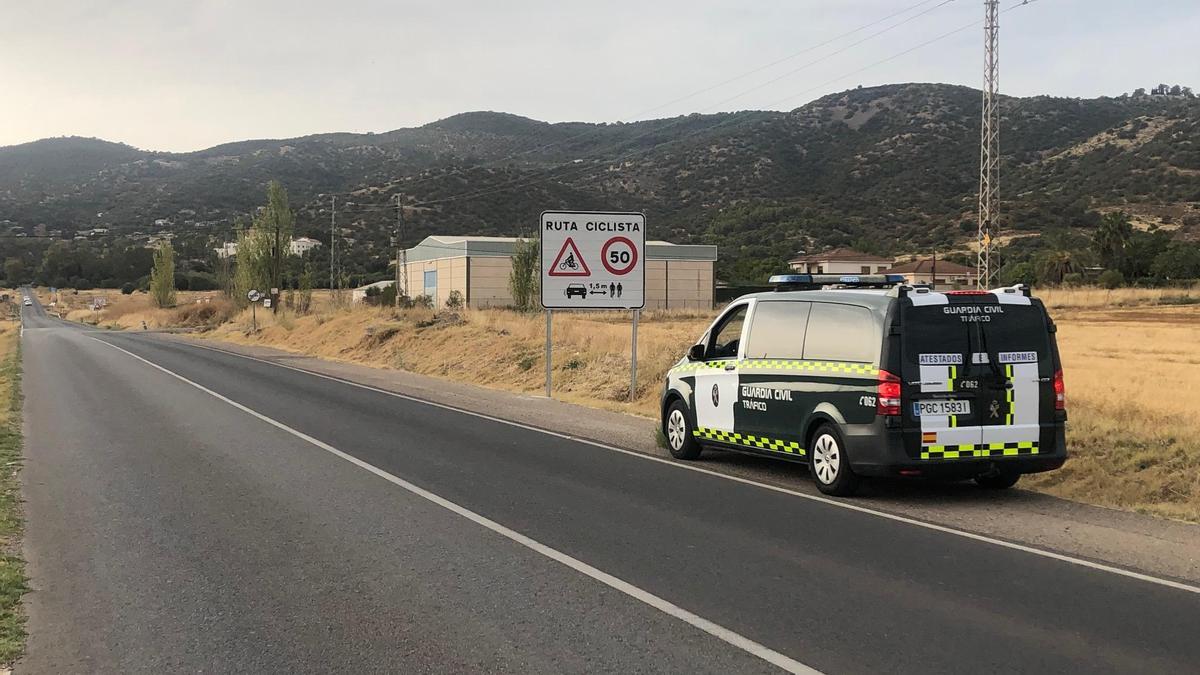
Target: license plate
(941,407)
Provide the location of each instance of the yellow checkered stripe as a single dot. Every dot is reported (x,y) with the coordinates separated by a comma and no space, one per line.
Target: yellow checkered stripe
(699,365)
(734,438)
(1008,395)
(864,369)
(983,450)
(832,367)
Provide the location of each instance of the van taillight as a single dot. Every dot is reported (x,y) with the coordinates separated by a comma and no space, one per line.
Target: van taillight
(887,395)
(1060,391)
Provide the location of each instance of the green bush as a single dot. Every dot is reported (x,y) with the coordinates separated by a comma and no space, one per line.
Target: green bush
(455,301)
(1111,279)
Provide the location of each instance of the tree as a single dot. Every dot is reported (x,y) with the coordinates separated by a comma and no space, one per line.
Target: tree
(1180,260)
(276,221)
(1054,266)
(253,267)
(1112,238)
(524,278)
(162,275)
(14,271)
(304,294)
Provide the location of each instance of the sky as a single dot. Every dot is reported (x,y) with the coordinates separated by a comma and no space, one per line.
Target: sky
(180,75)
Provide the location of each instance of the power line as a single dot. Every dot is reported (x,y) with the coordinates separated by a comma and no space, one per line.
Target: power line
(505,187)
(596,129)
(545,175)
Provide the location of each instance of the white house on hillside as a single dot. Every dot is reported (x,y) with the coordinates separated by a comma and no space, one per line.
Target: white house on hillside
(302,245)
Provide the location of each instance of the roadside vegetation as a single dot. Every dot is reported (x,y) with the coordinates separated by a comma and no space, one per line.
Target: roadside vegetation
(1131,358)
(13,582)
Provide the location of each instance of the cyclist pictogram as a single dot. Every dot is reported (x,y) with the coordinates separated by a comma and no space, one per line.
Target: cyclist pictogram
(569,262)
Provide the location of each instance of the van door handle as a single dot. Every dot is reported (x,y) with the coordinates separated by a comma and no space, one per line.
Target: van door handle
(730,366)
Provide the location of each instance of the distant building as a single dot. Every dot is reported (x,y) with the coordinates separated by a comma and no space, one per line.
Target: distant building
(840,261)
(302,245)
(298,246)
(161,222)
(943,274)
(359,294)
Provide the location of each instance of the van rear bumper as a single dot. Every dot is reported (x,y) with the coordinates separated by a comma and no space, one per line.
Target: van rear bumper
(877,450)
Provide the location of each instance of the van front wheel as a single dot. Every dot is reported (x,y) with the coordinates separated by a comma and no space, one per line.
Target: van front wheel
(829,464)
(678,430)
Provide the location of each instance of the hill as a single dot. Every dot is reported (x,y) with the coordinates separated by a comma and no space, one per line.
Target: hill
(891,168)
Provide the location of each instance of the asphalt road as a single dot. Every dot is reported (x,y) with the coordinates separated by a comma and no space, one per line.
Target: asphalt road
(248,527)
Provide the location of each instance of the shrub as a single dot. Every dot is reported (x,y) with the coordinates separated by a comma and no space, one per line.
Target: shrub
(1111,279)
(455,301)
(127,288)
(423,301)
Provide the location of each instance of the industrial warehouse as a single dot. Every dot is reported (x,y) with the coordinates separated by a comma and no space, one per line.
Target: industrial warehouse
(678,276)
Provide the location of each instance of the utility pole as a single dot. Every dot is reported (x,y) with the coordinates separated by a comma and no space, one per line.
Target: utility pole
(276,265)
(989,151)
(401,253)
(332,248)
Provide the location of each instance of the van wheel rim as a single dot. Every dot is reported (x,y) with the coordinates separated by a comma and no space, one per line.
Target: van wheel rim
(676,429)
(827,459)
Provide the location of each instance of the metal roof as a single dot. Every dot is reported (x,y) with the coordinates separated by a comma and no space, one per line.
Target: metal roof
(439,246)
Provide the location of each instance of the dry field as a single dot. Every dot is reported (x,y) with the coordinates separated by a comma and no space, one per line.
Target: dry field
(1131,358)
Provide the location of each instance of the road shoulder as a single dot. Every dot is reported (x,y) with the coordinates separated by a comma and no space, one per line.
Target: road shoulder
(1138,542)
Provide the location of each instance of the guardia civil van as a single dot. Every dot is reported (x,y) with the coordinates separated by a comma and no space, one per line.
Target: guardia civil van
(865,376)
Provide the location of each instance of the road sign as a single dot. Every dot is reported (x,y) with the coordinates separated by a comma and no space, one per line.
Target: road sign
(253,296)
(593,260)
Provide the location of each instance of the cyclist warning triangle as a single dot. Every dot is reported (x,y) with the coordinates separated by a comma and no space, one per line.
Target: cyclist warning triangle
(568,262)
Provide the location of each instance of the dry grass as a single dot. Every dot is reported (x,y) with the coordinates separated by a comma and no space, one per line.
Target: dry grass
(1102,298)
(1131,357)
(1133,376)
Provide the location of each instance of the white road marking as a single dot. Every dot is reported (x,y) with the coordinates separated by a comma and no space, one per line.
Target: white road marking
(716,630)
(1061,557)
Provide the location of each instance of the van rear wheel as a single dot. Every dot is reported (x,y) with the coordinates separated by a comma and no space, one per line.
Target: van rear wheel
(678,429)
(1001,480)
(829,464)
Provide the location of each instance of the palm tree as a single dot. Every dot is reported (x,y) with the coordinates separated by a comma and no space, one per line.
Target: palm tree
(1054,266)
(1112,239)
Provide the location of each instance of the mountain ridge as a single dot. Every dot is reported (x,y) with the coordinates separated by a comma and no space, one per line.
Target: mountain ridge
(894,167)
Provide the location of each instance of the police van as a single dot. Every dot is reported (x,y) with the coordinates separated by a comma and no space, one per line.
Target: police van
(865,376)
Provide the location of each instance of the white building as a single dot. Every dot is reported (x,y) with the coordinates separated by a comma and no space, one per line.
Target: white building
(302,245)
(227,250)
(841,261)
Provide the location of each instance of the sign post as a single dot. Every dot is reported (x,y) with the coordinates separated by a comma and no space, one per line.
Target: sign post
(593,260)
(253,296)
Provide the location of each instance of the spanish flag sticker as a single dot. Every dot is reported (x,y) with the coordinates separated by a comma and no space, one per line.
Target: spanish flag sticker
(929,437)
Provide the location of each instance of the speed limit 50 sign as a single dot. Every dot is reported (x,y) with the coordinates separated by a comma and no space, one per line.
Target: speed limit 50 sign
(593,260)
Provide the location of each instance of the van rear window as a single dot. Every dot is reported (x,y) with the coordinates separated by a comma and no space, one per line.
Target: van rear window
(841,333)
(937,331)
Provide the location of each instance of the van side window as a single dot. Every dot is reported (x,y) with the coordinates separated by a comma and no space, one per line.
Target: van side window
(840,333)
(727,336)
(777,330)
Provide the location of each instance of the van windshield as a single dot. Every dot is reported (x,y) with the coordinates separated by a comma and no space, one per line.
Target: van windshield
(933,331)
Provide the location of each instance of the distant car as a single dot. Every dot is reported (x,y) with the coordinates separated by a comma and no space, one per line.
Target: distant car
(28,302)
(576,289)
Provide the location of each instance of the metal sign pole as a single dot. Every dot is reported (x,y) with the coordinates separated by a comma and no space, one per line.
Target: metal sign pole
(253,317)
(549,314)
(633,358)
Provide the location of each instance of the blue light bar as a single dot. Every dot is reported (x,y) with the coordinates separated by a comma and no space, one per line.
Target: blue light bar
(790,279)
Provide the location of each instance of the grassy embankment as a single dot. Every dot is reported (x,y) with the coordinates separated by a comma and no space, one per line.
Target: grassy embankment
(1131,358)
(12,567)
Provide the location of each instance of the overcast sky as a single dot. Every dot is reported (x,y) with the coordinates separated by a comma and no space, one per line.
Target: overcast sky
(189,74)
